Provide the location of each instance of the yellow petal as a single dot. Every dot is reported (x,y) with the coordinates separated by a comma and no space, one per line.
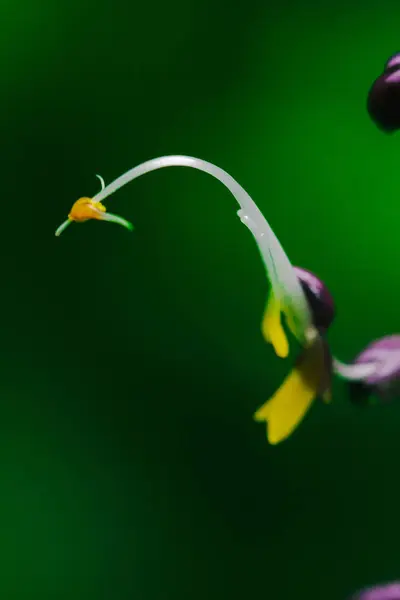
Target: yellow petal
(272,328)
(288,406)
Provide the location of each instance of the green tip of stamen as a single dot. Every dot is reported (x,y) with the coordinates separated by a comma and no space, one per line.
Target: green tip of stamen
(63,227)
(118,220)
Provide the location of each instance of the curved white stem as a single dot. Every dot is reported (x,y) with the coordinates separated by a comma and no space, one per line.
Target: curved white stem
(284,281)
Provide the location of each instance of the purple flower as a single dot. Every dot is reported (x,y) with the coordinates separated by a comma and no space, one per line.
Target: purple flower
(388,591)
(375,372)
(383,101)
(312,373)
(383,381)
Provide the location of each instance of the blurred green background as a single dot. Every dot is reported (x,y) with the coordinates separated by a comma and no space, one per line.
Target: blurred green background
(130,466)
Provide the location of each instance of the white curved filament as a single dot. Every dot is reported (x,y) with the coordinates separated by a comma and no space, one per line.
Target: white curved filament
(280,271)
(103,185)
(355,372)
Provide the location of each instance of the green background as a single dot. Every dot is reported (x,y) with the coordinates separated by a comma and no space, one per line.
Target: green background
(131,364)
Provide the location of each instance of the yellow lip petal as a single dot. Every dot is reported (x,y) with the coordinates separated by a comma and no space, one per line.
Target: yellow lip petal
(85,209)
(272,328)
(289,405)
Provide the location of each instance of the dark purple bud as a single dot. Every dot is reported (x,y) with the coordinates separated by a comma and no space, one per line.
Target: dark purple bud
(384,380)
(388,591)
(319,299)
(383,101)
